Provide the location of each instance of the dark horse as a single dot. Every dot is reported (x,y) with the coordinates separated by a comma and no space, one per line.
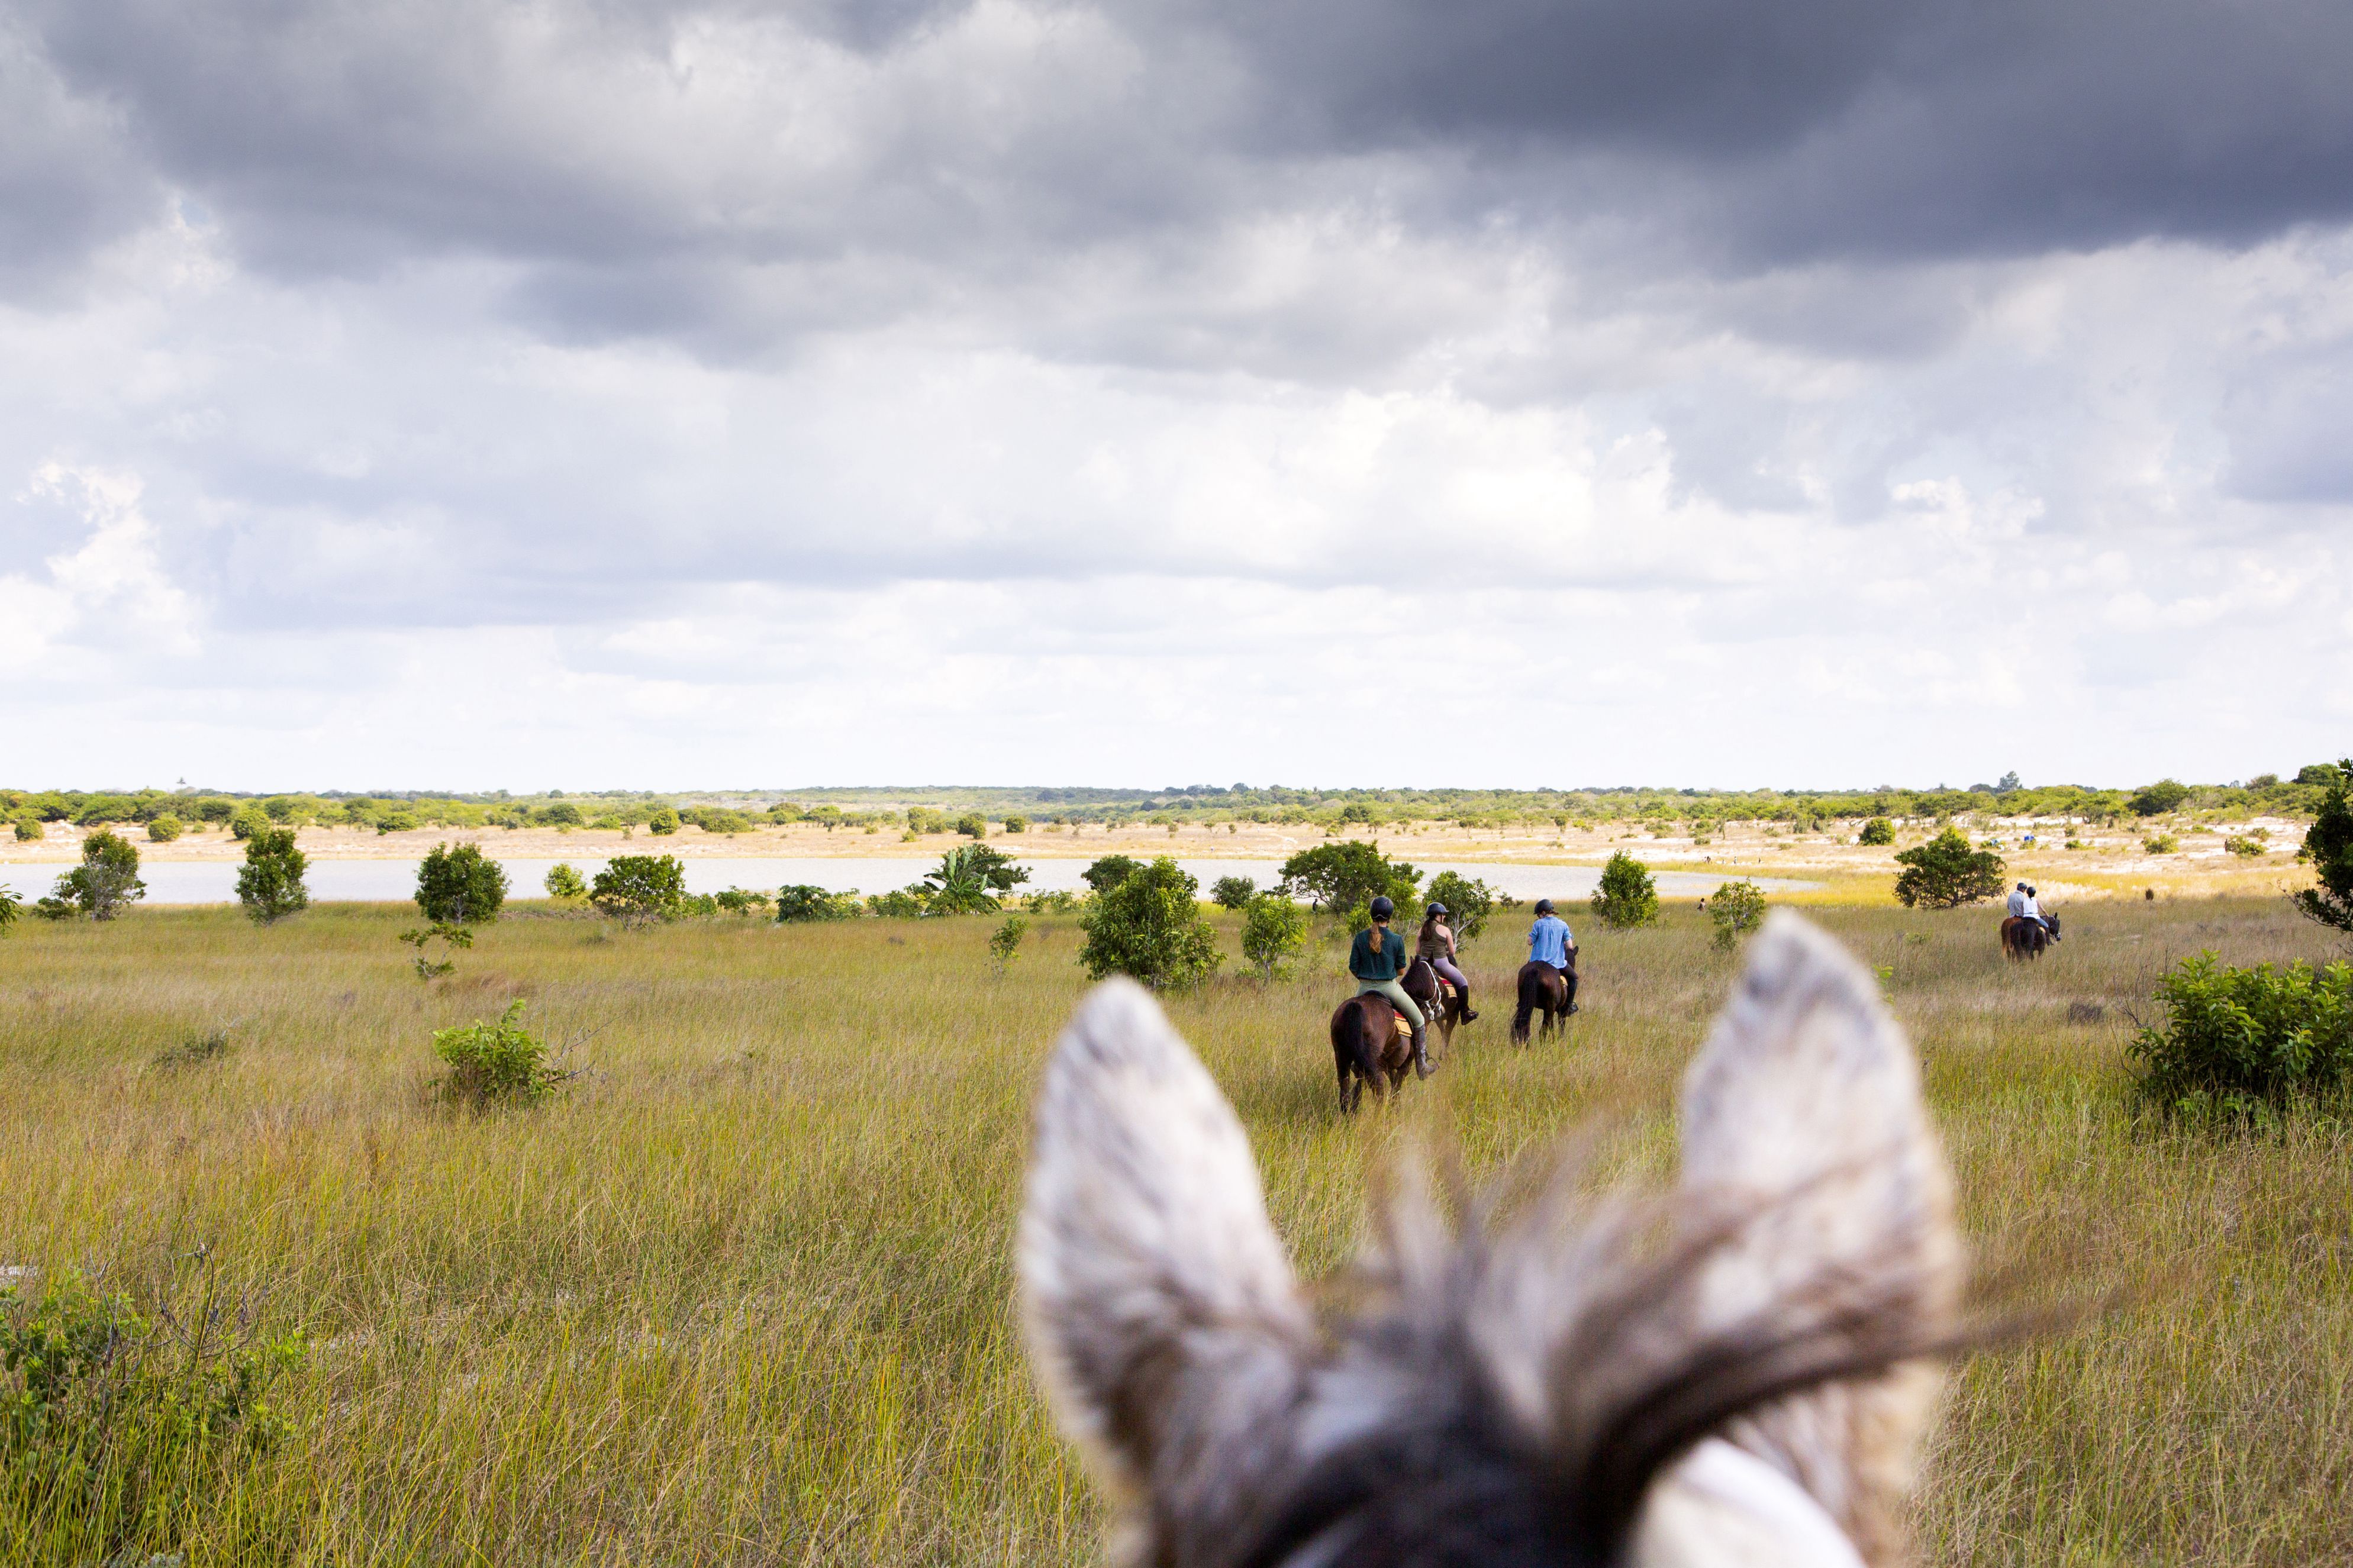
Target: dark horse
(1542,987)
(1367,1044)
(2023,939)
(1422,984)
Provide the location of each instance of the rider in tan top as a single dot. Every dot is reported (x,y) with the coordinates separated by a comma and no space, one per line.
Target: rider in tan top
(1436,943)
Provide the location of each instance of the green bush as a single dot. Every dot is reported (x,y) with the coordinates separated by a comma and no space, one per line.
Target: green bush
(1736,910)
(968,880)
(1347,876)
(12,908)
(489,1063)
(802,901)
(972,824)
(563,813)
(107,880)
(1627,897)
(395,822)
(717,819)
(1274,929)
(1149,928)
(28,828)
(162,829)
(1234,893)
(461,886)
(115,1432)
(1878,830)
(564,883)
(1005,942)
(214,808)
(1946,873)
(1109,872)
(2160,844)
(1469,903)
(2236,1039)
(270,884)
(1015,822)
(639,890)
(249,821)
(2329,846)
(662,821)
(740,902)
(2164,795)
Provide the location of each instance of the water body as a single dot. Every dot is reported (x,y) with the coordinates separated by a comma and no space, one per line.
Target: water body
(382,882)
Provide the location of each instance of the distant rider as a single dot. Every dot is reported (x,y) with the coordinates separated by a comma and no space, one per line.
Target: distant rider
(1435,946)
(2018,903)
(2034,912)
(1550,941)
(1377,958)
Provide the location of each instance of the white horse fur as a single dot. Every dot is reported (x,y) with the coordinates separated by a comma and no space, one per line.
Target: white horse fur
(1732,1375)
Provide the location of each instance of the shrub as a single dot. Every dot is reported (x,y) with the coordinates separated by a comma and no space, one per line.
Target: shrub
(1016,824)
(1005,943)
(115,1430)
(1878,830)
(2327,774)
(1627,897)
(461,886)
(28,828)
(1057,901)
(249,821)
(662,821)
(396,821)
(740,902)
(107,878)
(1469,903)
(270,884)
(12,907)
(968,880)
(1234,893)
(1148,927)
(900,904)
(2329,846)
(1946,873)
(715,819)
(563,813)
(2234,1038)
(1275,929)
(163,829)
(564,883)
(1348,875)
(2156,800)
(214,808)
(1737,909)
(2160,844)
(802,901)
(972,824)
(639,890)
(492,1062)
(1109,872)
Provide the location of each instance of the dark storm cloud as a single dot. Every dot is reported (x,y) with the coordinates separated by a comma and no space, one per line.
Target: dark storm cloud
(69,182)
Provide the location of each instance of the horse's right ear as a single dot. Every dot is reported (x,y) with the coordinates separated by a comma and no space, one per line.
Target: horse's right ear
(1160,1305)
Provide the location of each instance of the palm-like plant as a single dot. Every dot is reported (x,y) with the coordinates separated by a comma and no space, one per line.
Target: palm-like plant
(968,880)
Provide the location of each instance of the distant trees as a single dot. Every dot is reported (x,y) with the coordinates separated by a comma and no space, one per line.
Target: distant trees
(662,821)
(1232,893)
(1469,903)
(805,901)
(1627,897)
(564,883)
(1275,929)
(1344,876)
(2329,843)
(1147,926)
(1016,823)
(461,886)
(1109,872)
(270,884)
(639,890)
(162,829)
(106,880)
(1878,830)
(2156,800)
(1946,873)
(1736,910)
(972,824)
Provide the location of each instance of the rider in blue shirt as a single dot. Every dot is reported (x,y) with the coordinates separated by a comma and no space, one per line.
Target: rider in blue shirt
(1549,941)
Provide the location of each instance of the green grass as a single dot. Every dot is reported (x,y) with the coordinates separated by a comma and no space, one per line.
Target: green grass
(741,1293)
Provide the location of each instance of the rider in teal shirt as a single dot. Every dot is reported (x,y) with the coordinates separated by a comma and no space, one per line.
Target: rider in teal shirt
(1377,958)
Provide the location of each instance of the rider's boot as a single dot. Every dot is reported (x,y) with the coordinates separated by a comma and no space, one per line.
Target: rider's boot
(1421,1064)
(1468,1016)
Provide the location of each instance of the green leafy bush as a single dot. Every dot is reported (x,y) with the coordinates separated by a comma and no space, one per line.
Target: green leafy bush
(249,821)
(1878,830)
(460,886)
(2160,844)
(2328,844)
(1005,943)
(1234,893)
(2164,795)
(1148,927)
(106,880)
(901,904)
(804,901)
(563,813)
(564,883)
(1054,902)
(1736,910)
(1469,903)
(1347,876)
(968,880)
(1109,872)
(489,1063)
(662,821)
(28,828)
(1274,929)
(972,824)
(270,884)
(12,905)
(2236,1039)
(1946,873)
(740,902)
(639,890)
(162,829)
(1016,823)
(1627,896)
(718,819)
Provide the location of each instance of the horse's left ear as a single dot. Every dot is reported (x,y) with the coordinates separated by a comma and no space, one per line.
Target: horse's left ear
(1160,1305)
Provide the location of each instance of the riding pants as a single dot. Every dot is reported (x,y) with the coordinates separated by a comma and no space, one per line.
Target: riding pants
(1446,969)
(1397,998)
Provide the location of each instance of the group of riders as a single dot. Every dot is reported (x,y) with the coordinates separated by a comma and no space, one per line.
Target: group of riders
(2025,905)
(1377,958)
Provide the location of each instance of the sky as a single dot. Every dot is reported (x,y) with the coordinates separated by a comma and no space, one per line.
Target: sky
(605,393)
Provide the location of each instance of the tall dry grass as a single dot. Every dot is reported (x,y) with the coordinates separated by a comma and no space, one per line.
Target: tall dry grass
(741,1293)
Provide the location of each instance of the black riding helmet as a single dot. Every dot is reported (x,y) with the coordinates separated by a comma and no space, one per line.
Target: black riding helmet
(1382,908)
(1544,905)
(1438,909)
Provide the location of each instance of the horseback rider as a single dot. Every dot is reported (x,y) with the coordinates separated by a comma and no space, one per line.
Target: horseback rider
(2034,912)
(1550,940)
(1435,947)
(1377,958)
(2018,903)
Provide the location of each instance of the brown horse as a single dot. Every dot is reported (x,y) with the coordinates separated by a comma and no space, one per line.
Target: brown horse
(1543,987)
(1421,983)
(2023,939)
(1366,1042)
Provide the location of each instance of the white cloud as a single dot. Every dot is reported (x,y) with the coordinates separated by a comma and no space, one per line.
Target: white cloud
(98,604)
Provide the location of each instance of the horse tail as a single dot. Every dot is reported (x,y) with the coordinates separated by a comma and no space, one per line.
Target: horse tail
(1530,996)
(1353,1058)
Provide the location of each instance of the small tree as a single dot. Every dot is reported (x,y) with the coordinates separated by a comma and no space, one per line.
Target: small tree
(1878,830)
(662,821)
(2329,846)
(2160,798)
(28,829)
(1015,822)
(249,821)
(639,890)
(1109,872)
(1349,874)
(12,905)
(1274,929)
(107,878)
(1627,897)
(461,886)
(452,938)
(972,824)
(1469,903)
(1005,943)
(1737,909)
(492,1062)
(163,829)
(565,884)
(968,880)
(805,901)
(1148,927)
(1946,873)
(270,885)
(1234,893)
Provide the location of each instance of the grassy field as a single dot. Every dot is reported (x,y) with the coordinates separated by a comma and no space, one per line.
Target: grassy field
(740,1293)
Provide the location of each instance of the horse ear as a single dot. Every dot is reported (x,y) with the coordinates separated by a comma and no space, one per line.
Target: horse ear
(1160,1305)
(1804,1111)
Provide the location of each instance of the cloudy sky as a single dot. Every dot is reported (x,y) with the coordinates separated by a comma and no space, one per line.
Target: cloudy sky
(618,392)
